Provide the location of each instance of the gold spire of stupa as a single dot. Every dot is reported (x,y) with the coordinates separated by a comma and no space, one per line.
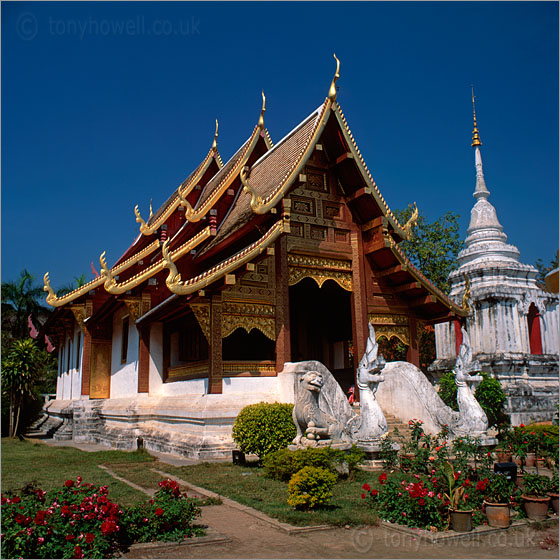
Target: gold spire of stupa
(475,137)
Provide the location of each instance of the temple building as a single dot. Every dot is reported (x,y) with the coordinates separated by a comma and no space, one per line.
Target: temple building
(284,253)
(513,325)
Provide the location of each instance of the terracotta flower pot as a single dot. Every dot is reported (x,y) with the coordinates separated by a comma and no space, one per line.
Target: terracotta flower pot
(520,482)
(536,507)
(554,501)
(497,514)
(517,460)
(504,457)
(541,462)
(530,460)
(461,521)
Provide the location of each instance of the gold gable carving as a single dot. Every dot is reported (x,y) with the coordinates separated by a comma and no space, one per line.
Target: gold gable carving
(248,316)
(385,319)
(389,331)
(319,269)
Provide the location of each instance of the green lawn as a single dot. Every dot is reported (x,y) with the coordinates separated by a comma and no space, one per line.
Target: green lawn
(248,485)
(49,467)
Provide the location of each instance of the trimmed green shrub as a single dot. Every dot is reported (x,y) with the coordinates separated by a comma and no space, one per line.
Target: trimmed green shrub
(263,428)
(283,464)
(489,394)
(311,487)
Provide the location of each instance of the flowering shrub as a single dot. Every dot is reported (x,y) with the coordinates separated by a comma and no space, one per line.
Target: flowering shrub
(311,487)
(168,516)
(80,521)
(420,501)
(414,503)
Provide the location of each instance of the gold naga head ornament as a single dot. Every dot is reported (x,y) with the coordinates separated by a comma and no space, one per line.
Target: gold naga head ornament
(215,143)
(105,272)
(261,118)
(51,296)
(173,278)
(467,294)
(332,89)
(412,221)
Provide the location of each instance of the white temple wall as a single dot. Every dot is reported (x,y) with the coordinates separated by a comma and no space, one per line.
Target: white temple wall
(59,378)
(248,385)
(76,372)
(550,329)
(156,359)
(124,376)
(66,370)
(445,340)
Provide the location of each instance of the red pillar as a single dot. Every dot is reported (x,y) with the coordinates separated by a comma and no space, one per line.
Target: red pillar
(534,322)
(413,353)
(86,363)
(458,336)
(360,330)
(283,343)
(144,359)
(215,350)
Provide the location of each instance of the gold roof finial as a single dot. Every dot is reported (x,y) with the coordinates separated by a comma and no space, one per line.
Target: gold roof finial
(332,90)
(215,143)
(475,138)
(261,118)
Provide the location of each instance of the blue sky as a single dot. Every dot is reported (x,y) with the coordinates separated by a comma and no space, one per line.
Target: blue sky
(107,105)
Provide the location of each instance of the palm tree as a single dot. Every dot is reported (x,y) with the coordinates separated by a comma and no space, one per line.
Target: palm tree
(22,367)
(19,300)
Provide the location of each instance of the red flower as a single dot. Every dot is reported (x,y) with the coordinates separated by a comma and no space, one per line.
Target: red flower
(16,500)
(467,482)
(69,483)
(366,487)
(480,486)
(70,537)
(363,496)
(374,492)
(40,517)
(78,552)
(108,527)
(90,537)
(158,512)
(20,519)
(382,478)
(521,425)
(421,502)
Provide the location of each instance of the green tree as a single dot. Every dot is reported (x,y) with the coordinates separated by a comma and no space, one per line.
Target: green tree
(78,282)
(19,300)
(544,270)
(24,367)
(434,246)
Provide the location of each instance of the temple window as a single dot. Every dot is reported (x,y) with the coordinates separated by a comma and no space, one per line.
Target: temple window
(240,345)
(124,339)
(534,324)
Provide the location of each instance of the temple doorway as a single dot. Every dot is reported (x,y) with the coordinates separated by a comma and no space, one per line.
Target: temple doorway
(321,327)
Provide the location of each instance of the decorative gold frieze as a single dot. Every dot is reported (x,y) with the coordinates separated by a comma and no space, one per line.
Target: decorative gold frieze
(233,368)
(389,331)
(192,370)
(202,314)
(318,262)
(387,319)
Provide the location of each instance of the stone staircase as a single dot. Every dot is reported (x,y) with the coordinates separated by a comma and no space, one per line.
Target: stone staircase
(404,432)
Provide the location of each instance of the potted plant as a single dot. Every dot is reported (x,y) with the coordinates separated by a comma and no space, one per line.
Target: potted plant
(535,496)
(503,452)
(460,519)
(496,500)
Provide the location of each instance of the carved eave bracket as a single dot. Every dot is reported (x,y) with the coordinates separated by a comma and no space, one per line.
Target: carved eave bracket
(134,307)
(201,312)
(320,270)
(80,314)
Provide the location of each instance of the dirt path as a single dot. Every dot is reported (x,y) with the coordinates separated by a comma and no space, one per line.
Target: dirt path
(253,538)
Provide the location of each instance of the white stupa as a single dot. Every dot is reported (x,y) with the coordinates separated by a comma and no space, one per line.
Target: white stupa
(513,325)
